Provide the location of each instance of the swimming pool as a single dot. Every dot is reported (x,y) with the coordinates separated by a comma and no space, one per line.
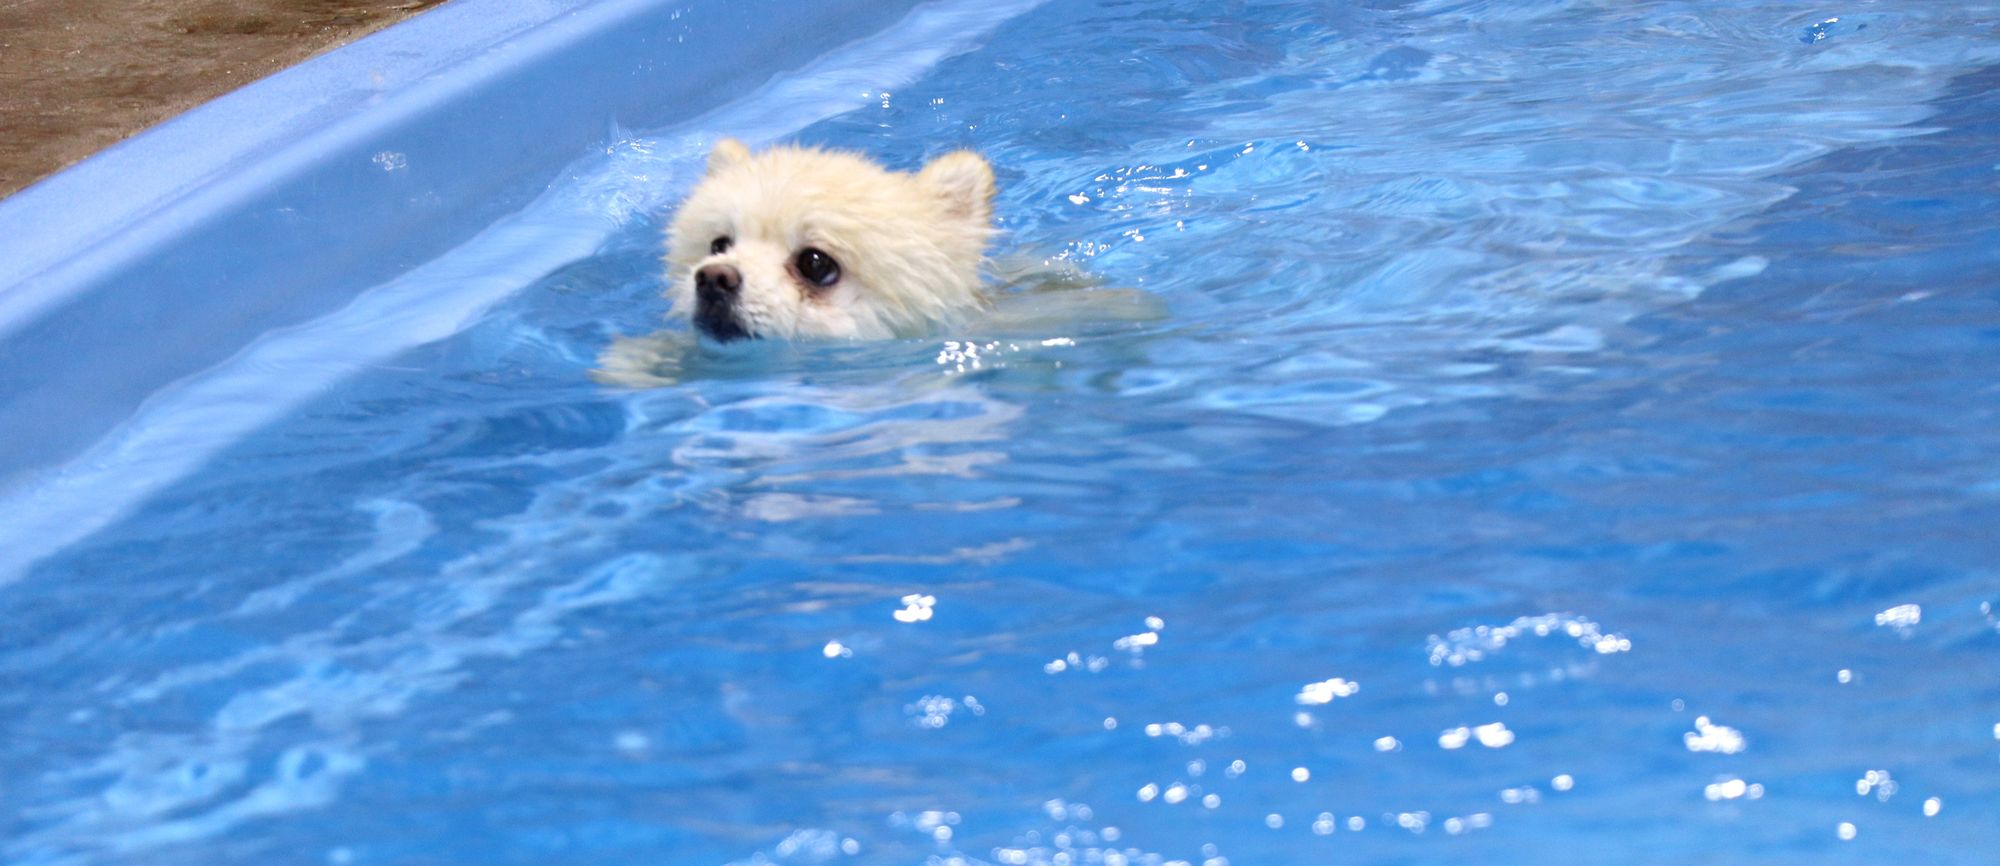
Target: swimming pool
(1573,430)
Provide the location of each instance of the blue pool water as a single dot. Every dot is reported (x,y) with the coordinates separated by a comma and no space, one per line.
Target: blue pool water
(1573,432)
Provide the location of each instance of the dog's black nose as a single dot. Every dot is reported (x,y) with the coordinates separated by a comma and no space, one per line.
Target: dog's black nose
(716,288)
(717,284)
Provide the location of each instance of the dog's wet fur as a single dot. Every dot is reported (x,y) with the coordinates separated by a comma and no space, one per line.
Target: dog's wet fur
(798,243)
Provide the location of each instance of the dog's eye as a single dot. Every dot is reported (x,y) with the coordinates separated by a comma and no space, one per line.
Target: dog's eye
(817,267)
(720,245)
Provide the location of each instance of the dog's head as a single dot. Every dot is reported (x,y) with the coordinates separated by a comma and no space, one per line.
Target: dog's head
(796,243)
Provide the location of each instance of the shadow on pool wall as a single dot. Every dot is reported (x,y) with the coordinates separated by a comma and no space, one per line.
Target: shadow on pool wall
(278,203)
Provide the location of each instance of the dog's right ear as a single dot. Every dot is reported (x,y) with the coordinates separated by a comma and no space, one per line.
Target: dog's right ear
(727,152)
(965,181)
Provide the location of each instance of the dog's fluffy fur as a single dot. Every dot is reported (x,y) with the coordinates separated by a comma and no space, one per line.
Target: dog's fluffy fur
(907,246)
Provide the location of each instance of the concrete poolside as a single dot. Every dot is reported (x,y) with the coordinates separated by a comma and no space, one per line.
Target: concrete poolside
(77,76)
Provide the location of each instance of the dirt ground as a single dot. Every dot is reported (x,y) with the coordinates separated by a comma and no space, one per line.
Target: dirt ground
(79,75)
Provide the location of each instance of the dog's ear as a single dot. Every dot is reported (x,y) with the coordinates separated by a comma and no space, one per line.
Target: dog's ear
(965,182)
(727,152)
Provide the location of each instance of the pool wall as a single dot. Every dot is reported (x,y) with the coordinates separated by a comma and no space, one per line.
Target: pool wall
(168,254)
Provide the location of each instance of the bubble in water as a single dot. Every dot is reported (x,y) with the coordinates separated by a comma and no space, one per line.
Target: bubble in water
(1323,692)
(935,711)
(1188,735)
(390,160)
(813,845)
(1465,646)
(1902,616)
(1845,831)
(1493,736)
(1710,737)
(1823,30)
(1137,642)
(1733,789)
(1469,823)
(917,607)
(1877,782)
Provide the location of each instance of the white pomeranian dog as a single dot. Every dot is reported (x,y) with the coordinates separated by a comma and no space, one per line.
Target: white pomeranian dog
(797,243)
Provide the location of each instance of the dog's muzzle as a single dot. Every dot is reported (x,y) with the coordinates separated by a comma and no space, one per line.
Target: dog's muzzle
(716,290)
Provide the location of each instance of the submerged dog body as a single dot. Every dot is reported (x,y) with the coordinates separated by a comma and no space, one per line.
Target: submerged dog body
(797,243)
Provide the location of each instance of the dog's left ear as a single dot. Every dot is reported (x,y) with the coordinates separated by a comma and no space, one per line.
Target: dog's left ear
(727,152)
(965,182)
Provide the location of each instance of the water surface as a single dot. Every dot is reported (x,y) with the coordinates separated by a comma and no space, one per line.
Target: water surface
(1572,430)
